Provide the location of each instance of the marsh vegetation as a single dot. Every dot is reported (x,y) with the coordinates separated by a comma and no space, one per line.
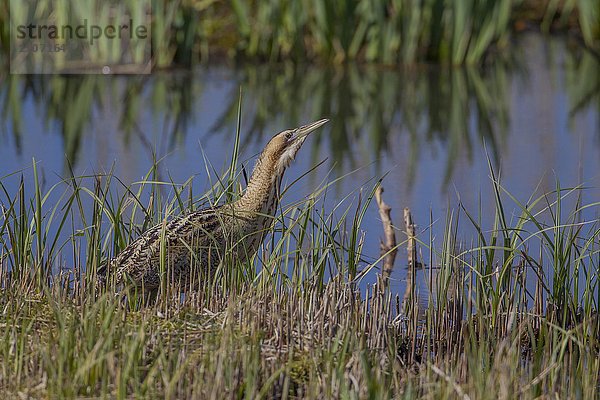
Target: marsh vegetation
(383,31)
(297,323)
(498,161)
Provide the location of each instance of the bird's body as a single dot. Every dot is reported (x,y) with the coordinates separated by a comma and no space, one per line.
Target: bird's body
(198,242)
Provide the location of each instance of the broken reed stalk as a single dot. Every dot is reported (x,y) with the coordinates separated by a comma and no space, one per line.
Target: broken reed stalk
(411,252)
(411,247)
(410,304)
(388,245)
(389,249)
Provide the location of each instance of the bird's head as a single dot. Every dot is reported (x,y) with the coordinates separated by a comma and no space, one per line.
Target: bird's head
(274,159)
(284,146)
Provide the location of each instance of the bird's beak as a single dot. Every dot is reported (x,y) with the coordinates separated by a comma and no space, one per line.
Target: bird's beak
(303,131)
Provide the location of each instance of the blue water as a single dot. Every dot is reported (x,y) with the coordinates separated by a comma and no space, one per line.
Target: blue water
(542,132)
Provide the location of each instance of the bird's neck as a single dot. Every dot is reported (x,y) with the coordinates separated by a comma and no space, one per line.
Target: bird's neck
(262,193)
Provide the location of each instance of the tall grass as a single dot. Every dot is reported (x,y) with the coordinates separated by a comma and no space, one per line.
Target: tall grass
(513,315)
(381,31)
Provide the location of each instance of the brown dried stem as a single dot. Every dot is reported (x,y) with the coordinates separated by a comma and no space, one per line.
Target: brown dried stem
(388,245)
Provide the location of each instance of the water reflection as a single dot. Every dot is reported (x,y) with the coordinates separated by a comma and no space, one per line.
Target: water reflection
(459,108)
(448,105)
(71,104)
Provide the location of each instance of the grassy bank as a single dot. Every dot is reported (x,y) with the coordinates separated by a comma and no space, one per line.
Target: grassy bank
(382,31)
(511,313)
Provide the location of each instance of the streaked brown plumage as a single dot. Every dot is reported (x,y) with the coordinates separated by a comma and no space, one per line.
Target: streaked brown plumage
(200,241)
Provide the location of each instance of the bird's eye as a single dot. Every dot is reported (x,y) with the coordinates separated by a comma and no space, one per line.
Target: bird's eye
(289,135)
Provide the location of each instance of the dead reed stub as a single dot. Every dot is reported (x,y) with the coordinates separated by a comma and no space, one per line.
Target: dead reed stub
(388,246)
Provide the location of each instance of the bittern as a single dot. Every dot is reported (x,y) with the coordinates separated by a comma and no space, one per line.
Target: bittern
(198,242)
